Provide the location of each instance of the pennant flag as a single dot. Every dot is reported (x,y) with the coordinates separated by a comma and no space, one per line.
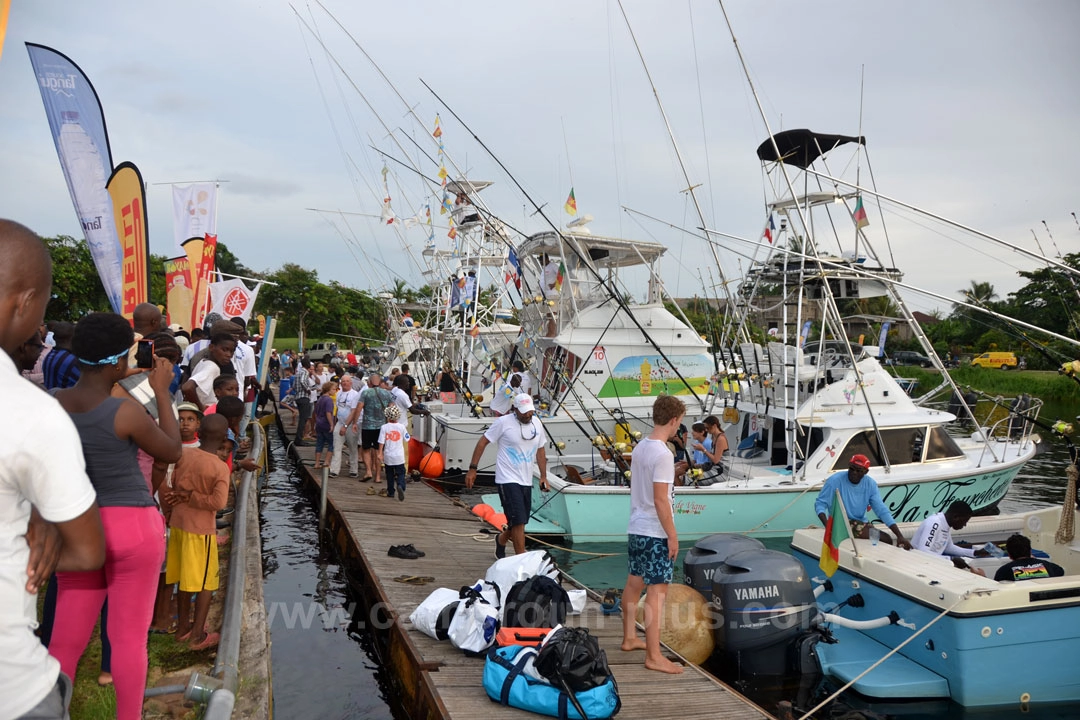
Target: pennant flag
(475,332)
(453,232)
(836,531)
(770,228)
(437,133)
(514,271)
(560,277)
(129,215)
(571,204)
(446,206)
(77,123)
(194,212)
(179,293)
(231,298)
(860,214)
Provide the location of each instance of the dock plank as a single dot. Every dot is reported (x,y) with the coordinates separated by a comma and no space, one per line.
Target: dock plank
(458,552)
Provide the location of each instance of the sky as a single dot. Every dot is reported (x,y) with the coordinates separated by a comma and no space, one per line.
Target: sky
(969,108)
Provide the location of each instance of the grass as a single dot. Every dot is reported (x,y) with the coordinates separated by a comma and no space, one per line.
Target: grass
(1043,384)
(93,702)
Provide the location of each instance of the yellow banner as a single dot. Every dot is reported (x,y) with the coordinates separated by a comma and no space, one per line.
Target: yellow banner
(179,296)
(129,214)
(5,5)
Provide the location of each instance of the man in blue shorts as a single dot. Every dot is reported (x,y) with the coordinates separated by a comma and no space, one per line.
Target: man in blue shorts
(521,440)
(652,544)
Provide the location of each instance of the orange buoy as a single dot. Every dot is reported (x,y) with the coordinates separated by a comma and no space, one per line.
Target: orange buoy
(497,520)
(431,466)
(416,452)
(483,511)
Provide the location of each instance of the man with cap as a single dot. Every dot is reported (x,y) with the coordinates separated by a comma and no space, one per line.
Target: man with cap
(521,439)
(858,491)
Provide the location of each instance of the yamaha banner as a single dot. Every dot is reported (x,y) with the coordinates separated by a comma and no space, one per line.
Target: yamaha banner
(78,129)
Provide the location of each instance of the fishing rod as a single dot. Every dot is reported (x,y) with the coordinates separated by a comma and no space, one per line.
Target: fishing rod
(563,242)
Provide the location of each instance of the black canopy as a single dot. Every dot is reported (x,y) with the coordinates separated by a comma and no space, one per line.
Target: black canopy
(802,147)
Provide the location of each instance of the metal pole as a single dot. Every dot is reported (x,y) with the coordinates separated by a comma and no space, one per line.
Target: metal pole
(322,499)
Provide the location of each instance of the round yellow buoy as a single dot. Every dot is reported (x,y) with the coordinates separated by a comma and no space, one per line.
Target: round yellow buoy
(686,625)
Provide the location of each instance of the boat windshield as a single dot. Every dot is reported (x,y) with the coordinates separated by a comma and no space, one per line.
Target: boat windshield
(901,446)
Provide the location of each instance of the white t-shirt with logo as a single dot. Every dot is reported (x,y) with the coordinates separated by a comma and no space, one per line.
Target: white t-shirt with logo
(346,403)
(518,445)
(392,437)
(934,536)
(651,463)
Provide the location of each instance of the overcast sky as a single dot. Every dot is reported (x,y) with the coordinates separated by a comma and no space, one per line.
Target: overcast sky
(970,110)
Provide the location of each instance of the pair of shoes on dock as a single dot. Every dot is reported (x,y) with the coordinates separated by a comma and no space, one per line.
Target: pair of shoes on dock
(405,552)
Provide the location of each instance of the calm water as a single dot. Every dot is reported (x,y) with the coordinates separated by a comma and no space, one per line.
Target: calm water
(325,665)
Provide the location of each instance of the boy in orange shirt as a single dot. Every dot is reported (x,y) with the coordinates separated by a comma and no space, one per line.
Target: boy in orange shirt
(200,489)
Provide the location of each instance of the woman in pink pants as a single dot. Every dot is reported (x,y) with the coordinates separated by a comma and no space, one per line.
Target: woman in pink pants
(112,431)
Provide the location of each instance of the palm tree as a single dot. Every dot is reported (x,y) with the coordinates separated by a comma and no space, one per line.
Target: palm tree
(979,293)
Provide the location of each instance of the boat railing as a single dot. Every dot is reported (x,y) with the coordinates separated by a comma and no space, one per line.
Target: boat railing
(1015,428)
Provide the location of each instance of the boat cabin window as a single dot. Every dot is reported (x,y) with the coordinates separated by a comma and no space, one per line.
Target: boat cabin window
(941,445)
(901,446)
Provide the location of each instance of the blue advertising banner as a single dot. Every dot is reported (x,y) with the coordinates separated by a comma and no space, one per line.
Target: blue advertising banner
(78,129)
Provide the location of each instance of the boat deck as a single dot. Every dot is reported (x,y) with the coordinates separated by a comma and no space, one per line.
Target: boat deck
(433,679)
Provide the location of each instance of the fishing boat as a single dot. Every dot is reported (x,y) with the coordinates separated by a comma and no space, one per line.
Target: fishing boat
(596,359)
(976,641)
(803,403)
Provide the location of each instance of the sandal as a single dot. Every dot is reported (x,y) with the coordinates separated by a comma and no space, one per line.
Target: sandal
(367,478)
(414,579)
(372,491)
(382,493)
(211,640)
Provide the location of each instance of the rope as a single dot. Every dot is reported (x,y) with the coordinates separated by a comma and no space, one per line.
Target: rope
(888,655)
(479,537)
(570,550)
(1066,530)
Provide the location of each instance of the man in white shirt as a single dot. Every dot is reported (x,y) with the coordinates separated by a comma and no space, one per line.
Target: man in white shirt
(652,542)
(934,535)
(521,439)
(347,434)
(44,491)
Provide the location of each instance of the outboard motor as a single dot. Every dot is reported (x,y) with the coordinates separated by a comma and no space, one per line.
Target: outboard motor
(709,553)
(765,602)
(1019,406)
(957,409)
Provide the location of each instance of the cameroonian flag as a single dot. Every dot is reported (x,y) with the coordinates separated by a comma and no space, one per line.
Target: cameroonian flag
(860,214)
(571,204)
(560,277)
(836,532)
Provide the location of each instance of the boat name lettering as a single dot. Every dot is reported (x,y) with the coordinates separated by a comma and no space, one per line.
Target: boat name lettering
(910,503)
(684,507)
(759,592)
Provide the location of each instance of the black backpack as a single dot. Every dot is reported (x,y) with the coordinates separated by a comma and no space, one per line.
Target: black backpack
(573,659)
(537,602)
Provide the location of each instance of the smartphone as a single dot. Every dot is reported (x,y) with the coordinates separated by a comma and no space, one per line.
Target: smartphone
(144,354)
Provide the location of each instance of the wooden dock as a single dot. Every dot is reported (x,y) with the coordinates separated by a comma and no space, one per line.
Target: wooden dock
(432,678)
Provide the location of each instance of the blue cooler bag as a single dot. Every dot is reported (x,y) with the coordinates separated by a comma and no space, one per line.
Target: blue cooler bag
(506,684)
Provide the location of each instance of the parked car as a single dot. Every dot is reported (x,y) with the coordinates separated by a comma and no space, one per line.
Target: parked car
(321,352)
(910,357)
(1003,360)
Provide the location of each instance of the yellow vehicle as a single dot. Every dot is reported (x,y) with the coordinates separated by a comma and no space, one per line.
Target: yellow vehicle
(1003,360)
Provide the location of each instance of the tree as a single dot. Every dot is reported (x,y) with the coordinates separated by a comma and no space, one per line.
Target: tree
(77,288)
(298,298)
(227,263)
(979,293)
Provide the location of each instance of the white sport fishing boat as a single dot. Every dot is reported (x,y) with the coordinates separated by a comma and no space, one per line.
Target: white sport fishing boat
(792,417)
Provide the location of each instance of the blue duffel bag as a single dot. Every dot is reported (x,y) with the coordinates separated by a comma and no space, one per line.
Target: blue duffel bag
(506,684)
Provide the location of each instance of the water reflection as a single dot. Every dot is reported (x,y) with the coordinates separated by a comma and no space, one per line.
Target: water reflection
(324,663)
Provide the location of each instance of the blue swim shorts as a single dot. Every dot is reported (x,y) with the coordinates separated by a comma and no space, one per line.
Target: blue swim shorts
(516,501)
(648,559)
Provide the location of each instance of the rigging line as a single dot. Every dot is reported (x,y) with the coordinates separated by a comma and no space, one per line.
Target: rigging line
(954,223)
(1052,241)
(671,135)
(613,102)
(566,146)
(562,238)
(701,109)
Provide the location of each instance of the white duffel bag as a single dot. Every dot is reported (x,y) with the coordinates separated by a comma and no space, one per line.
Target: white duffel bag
(434,616)
(475,622)
(516,568)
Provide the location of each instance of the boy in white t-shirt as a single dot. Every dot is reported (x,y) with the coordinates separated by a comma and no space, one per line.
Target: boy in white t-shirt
(392,439)
(652,542)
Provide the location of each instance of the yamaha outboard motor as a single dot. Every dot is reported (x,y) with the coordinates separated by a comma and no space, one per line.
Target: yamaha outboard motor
(709,553)
(765,603)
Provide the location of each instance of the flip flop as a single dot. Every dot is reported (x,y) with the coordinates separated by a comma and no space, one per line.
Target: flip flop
(372,491)
(414,579)
(211,640)
(366,479)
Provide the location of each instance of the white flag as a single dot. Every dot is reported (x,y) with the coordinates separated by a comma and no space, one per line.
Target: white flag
(194,211)
(231,298)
